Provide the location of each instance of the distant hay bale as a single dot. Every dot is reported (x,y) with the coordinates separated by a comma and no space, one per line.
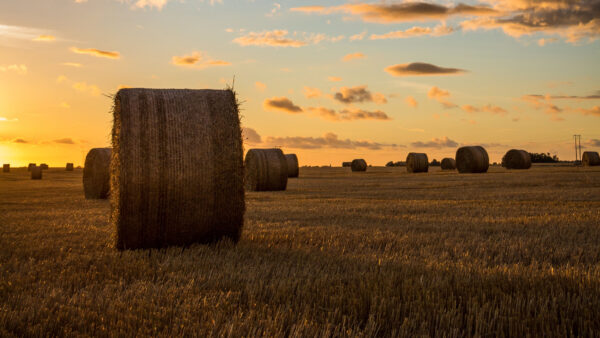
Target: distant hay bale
(346,164)
(69,167)
(448,164)
(292,165)
(590,159)
(36,173)
(44,166)
(266,170)
(6,168)
(96,173)
(417,163)
(472,159)
(358,165)
(30,166)
(516,159)
(177,174)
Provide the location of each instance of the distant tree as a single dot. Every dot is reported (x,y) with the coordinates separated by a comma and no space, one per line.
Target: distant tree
(390,164)
(543,158)
(395,164)
(435,163)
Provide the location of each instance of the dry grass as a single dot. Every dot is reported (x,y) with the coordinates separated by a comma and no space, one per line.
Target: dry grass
(502,253)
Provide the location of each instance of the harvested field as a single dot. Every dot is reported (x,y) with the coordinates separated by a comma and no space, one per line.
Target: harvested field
(384,253)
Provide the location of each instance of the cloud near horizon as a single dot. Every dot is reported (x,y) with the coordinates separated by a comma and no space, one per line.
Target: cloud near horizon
(250,135)
(329,140)
(282,38)
(66,140)
(348,114)
(358,94)
(197,60)
(421,69)
(281,104)
(96,52)
(437,143)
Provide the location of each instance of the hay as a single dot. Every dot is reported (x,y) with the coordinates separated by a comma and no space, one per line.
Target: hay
(417,163)
(44,166)
(96,174)
(6,168)
(472,159)
(346,164)
(516,159)
(358,165)
(448,164)
(177,174)
(36,173)
(69,167)
(590,158)
(292,165)
(266,170)
(30,166)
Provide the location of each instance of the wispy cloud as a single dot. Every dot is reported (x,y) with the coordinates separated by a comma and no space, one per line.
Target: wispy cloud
(415,31)
(282,104)
(66,140)
(441,96)
(19,69)
(80,86)
(96,52)
(329,140)
(421,69)
(6,119)
(260,86)
(437,143)
(72,64)
(351,114)
(312,93)
(488,108)
(197,60)
(411,101)
(44,38)
(358,94)
(353,56)
(334,78)
(282,38)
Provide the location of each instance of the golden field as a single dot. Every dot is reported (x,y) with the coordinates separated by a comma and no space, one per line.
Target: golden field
(381,253)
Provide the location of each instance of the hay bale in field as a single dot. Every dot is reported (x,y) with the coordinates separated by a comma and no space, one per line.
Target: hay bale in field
(590,158)
(69,167)
(358,165)
(292,165)
(516,159)
(6,168)
(448,164)
(177,173)
(96,173)
(30,166)
(472,159)
(44,166)
(266,170)
(417,163)
(36,173)
(346,164)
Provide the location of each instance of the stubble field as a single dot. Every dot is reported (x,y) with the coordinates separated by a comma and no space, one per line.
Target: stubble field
(381,253)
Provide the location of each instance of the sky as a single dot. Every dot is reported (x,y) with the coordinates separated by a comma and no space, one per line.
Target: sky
(330,81)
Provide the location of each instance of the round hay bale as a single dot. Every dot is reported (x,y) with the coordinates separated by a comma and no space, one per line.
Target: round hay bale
(292,165)
(69,167)
(358,165)
(516,159)
(266,170)
(96,173)
(36,173)
(30,166)
(590,158)
(346,164)
(472,159)
(177,173)
(417,163)
(44,166)
(6,168)
(448,164)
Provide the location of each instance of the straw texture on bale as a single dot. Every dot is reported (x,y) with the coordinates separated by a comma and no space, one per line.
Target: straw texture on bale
(36,173)
(266,170)
(590,158)
(472,159)
(292,165)
(69,167)
(6,168)
(96,173)
(448,164)
(177,174)
(358,165)
(417,163)
(346,164)
(516,159)
(30,166)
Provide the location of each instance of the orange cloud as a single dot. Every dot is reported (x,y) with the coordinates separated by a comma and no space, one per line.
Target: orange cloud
(282,38)
(438,143)
(411,101)
(197,60)
(348,114)
(594,111)
(416,31)
(250,135)
(96,52)
(334,79)
(282,104)
(260,86)
(357,37)
(72,64)
(353,56)
(45,38)
(421,69)
(329,140)
(441,96)
(19,69)
(358,94)
(311,93)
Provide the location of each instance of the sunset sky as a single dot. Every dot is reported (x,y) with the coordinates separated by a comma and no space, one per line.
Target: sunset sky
(329,81)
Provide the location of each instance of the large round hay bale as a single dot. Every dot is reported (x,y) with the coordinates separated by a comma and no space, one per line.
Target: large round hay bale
(516,159)
(30,166)
(36,173)
(590,158)
(44,166)
(96,173)
(346,164)
(69,167)
(358,165)
(177,173)
(6,168)
(417,163)
(292,165)
(266,170)
(448,164)
(472,159)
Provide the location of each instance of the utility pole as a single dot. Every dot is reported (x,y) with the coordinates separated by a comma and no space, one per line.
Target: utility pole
(577,139)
